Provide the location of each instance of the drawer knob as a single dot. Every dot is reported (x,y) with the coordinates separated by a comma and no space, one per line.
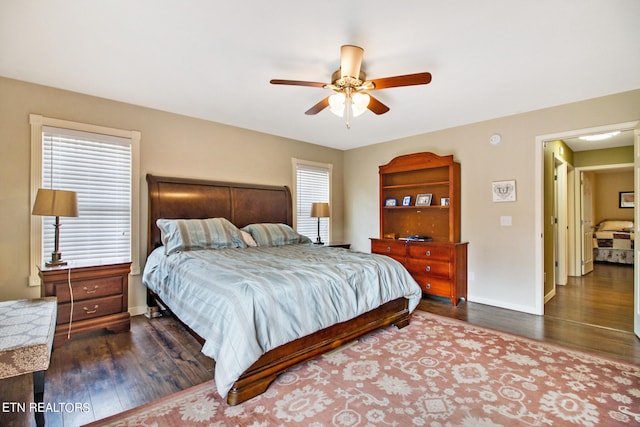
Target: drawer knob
(428,285)
(428,253)
(428,268)
(90,291)
(87,311)
(388,248)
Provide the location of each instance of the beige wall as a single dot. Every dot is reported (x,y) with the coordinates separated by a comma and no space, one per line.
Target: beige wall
(607,188)
(502,260)
(171,145)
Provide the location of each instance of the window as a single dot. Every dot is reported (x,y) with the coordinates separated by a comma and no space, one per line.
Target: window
(312,184)
(100,165)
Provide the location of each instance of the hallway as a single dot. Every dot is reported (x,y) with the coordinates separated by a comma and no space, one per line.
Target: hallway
(602,298)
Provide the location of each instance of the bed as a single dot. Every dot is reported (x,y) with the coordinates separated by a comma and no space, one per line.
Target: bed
(250,352)
(613,242)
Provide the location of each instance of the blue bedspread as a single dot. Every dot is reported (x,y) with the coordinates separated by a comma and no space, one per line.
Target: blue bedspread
(245,302)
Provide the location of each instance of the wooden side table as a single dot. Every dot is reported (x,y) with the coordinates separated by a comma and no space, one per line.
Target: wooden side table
(89,298)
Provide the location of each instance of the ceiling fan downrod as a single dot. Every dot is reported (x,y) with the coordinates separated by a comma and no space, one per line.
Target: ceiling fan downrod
(347,106)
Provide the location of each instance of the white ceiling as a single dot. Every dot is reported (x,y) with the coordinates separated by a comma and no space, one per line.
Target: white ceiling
(213,59)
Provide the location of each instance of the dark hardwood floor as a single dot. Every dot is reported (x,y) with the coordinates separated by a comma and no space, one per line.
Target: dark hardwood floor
(108,373)
(593,313)
(601,298)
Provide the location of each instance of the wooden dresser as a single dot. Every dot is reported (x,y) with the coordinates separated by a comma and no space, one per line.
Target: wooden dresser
(440,265)
(440,268)
(99,294)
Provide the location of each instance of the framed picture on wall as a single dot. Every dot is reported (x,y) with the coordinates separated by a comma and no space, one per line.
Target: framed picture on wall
(504,191)
(626,199)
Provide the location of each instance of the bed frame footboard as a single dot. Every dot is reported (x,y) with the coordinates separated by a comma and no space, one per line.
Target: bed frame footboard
(261,374)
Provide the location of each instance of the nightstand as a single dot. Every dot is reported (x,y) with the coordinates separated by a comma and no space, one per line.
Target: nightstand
(98,297)
(338,245)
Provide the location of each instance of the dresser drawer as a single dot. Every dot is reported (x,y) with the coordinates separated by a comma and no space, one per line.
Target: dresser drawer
(430,267)
(425,250)
(394,248)
(89,309)
(434,285)
(91,288)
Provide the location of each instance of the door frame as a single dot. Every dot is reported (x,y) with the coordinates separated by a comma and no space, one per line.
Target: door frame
(539,204)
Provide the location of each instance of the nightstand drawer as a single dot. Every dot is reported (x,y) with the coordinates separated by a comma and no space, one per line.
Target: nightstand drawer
(89,309)
(85,289)
(418,250)
(429,267)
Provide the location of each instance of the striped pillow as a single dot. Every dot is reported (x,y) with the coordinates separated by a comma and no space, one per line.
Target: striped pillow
(267,234)
(186,234)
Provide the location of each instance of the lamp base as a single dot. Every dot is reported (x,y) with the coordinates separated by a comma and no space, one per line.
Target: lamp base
(56,260)
(318,241)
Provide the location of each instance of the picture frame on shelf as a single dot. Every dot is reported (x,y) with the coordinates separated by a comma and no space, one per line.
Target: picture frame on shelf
(444,201)
(424,199)
(406,201)
(390,201)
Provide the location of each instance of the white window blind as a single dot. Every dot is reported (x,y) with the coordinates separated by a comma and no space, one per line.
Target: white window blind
(97,167)
(312,185)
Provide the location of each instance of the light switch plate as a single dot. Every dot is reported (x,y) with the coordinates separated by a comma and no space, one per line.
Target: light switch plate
(505,221)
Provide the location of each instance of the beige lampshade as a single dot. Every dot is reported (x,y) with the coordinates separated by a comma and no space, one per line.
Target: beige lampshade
(55,203)
(320,210)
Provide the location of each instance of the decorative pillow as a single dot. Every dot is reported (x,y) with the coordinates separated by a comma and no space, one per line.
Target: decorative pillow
(248,239)
(267,234)
(616,226)
(186,234)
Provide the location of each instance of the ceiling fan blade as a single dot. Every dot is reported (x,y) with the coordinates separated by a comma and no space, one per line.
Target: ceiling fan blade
(296,83)
(318,107)
(406,80)
(376,106)
(350,61)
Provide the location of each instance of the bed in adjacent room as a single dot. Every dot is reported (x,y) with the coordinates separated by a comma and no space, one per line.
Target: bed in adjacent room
(613,241)
(261,298)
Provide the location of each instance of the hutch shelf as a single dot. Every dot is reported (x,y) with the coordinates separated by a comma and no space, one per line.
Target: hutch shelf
(420,222)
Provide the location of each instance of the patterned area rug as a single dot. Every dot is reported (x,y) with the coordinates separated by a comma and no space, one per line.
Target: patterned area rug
(435,372)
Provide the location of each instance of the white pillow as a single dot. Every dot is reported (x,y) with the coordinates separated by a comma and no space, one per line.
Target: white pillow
(248,239)
(616,226)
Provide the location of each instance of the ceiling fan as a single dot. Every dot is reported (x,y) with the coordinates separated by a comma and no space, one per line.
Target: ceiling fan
(350,86)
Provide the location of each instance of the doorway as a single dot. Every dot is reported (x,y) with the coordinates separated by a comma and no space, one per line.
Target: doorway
(578,236)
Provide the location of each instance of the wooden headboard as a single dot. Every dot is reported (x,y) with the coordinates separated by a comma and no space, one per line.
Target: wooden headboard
(242,204)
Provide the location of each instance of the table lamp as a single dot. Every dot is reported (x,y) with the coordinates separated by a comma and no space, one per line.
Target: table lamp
(55,203)
(319,210)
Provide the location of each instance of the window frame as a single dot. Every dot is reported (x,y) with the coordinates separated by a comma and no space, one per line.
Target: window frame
(295,162)
(36,122)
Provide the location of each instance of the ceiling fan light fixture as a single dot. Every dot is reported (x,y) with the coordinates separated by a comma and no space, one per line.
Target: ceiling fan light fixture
(336,103)
(359,103)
